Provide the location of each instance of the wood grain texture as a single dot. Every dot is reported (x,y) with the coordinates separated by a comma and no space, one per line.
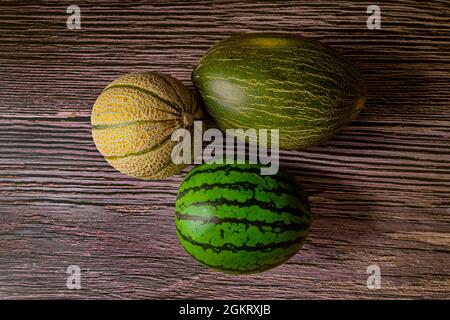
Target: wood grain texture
(380,190)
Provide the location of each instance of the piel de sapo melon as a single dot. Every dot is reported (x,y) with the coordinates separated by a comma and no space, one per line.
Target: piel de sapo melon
(275,81)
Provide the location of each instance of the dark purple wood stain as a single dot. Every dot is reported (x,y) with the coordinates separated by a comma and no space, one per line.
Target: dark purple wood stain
(380,190)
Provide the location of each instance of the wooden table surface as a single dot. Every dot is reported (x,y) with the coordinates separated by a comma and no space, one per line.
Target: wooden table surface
(379,191)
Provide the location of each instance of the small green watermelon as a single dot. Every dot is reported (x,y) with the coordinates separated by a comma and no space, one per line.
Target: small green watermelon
(232,219)
(297,85)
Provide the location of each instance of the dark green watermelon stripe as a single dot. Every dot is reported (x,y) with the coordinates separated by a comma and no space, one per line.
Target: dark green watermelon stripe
(225,167)
(257,213)
(238,185)
(236,233)
(257,223)
(243,196)
(231,247)
(128,123)
(177,110)
(286,210)
(142,152)
(222,167)
(243,268)
(242,212)
(279,193)
(242,169)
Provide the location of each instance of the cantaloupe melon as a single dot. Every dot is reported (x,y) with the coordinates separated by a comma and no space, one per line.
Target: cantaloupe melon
(133,120)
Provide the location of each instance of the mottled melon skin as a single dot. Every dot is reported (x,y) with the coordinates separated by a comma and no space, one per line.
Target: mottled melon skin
(276,81)
(133,120)
(230,218)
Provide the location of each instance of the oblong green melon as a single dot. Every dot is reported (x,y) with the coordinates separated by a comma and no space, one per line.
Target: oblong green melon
(275,81)
(232,219)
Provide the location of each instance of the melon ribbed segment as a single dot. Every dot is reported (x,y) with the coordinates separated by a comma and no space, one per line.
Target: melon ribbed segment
(133,120)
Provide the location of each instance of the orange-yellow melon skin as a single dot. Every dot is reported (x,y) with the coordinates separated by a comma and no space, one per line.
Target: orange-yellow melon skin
(133,120)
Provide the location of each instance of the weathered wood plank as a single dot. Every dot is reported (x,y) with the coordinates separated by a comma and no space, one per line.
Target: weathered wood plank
(379,190)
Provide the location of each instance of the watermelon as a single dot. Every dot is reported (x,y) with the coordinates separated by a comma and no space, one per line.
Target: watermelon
(297,85)
(230,218)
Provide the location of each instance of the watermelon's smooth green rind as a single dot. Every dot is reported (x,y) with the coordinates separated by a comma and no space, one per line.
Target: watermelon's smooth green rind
(235,234)
(276,81)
